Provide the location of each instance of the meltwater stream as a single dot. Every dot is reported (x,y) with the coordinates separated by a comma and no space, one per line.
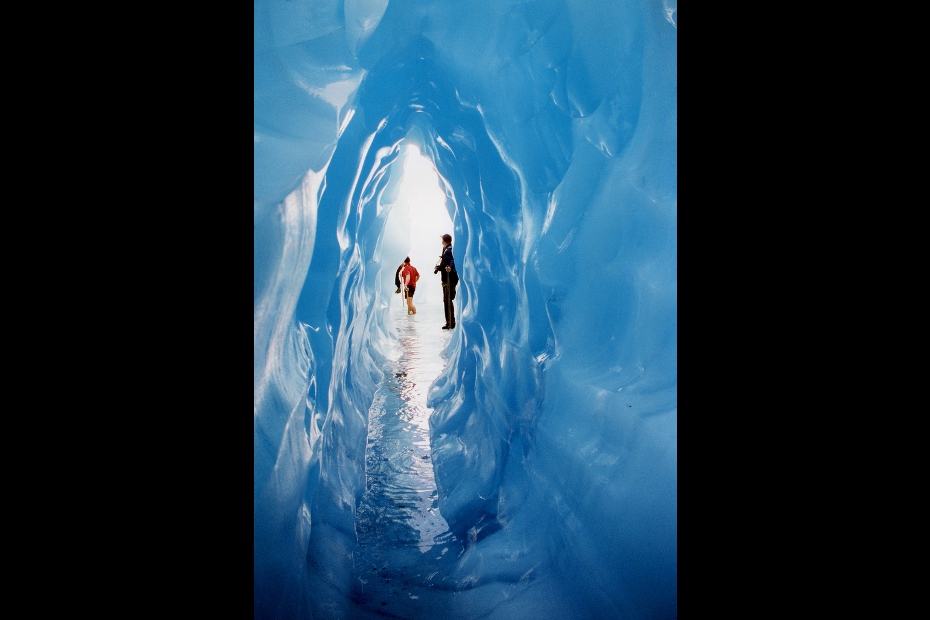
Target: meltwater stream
(405,550)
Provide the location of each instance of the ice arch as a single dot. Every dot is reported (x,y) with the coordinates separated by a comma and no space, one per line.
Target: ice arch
(552,124)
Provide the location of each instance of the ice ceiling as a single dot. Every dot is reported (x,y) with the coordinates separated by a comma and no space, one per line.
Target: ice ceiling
(552,126)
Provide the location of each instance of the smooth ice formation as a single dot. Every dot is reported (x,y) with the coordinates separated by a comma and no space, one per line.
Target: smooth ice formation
(551,127)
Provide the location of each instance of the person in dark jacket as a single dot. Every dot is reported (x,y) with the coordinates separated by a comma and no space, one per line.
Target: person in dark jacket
(450,279)
(397,277)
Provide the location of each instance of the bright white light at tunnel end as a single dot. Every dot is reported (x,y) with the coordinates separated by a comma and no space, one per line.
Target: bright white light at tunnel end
(429,220)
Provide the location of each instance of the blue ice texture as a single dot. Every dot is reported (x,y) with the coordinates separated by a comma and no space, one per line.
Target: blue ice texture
(552,125)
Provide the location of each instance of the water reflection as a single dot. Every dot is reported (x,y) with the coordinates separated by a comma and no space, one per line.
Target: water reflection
(400,502)
(403,556)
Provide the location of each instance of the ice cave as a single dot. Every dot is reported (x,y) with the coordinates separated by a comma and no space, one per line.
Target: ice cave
(523,465)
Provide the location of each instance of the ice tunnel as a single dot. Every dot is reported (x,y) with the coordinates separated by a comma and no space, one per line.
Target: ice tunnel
(551,126)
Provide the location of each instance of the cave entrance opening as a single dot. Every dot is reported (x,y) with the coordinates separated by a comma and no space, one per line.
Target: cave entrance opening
(419,216)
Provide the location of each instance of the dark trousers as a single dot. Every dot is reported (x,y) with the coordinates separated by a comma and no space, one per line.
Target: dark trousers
(448,294)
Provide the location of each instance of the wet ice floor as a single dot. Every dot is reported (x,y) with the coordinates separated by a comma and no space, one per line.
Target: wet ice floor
(404,550)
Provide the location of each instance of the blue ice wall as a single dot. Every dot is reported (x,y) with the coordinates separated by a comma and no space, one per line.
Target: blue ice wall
(553,125)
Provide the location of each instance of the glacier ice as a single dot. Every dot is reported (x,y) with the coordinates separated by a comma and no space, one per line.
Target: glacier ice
(552,127)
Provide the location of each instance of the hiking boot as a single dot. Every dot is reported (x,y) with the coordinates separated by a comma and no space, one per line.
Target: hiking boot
(397,291)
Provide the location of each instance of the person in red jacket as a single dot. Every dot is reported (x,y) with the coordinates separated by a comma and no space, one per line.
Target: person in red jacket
(408,277)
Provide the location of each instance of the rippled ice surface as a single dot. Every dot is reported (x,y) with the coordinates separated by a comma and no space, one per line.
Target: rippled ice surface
(405,551)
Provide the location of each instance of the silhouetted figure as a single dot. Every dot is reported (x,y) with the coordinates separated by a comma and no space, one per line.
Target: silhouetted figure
(397,278)
(450,279)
